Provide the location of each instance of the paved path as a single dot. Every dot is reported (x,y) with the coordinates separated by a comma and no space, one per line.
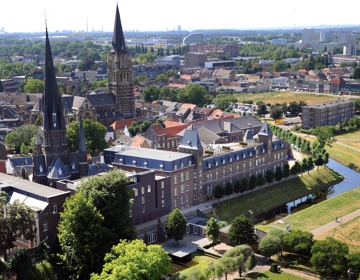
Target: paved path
(347,146)
(334,224)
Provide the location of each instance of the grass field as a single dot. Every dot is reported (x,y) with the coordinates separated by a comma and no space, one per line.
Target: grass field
(323,213)
(278,276)
(348,232)
(202,263)
(281,97)
(277,195)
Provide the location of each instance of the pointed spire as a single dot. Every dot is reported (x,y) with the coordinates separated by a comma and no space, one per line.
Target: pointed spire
(52,114)
(118,40)
(82,144)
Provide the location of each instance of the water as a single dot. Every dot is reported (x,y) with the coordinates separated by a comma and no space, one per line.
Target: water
(351,181)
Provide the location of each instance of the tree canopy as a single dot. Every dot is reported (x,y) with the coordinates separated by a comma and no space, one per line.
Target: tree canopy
(133,260)
(176,225)
(21,135)
(242,231)
(194,94)
(94,136)
(213,230)
(243,256)
(98,214)
(34,86)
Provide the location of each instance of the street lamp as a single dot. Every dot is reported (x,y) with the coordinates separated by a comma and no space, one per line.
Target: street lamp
(251,216)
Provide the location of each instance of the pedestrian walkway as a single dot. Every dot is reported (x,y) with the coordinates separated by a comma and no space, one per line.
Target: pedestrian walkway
(334,224)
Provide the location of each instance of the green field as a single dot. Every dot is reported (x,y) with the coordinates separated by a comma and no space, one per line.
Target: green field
(281,97)
(278,276)
(322,213)
(277,195)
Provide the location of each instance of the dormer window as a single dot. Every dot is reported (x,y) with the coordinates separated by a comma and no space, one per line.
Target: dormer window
(60,171)
(41,169)
(73,166)
(161,166)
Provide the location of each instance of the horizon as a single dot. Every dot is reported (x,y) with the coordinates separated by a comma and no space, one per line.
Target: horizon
(79,16)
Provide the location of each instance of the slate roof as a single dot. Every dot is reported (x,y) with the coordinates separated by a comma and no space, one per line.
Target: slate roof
(101,99)
(191,140)
(118,40)
(265,130)
(248,136)
(74,162)
(39,165)
(97,168)
(58,170)
(207,136)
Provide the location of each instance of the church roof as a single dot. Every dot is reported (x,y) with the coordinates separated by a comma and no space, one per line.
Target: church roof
(97,168)
(58,170)
(118,40)
(53,117)
(39,165)
(82,144)
(73,162)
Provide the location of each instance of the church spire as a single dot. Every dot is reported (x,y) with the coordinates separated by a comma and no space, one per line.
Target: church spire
(82,144)
(118,40)
(52,114)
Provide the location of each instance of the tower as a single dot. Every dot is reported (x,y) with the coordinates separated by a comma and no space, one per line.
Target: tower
(53,127)
(120,77)
(265,136)
(83,165)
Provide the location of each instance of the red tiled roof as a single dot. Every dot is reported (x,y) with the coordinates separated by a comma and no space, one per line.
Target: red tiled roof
(173,85)
(172,131)
(138,141)
(159,130)
(188,106)
(121,123)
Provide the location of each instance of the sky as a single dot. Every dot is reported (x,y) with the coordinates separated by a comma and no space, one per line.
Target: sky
(160,15)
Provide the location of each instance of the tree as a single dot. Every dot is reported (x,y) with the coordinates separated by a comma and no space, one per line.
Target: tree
(21,265)
(23,149)
(145,125)
(1,87)
(270,245)
(19,221)
(260,180)
(310,163)
(34,86)
(299,241)
(140,78)
(295,169)
(21,135)
(219,191)
(252,182)
(286,171)
(161,78)
(229,189)
(94,136)
(276,112)
(135,260)
(225,265)
(223,101)
(353,261)
(237,186)
(324,135)
(243,256)
(167,93)
(242,231)
(278,174)
(269,176)
(261,109)
(151,93)
(134,128)
(81,221)
(244,184)
(356,74)
(38,121)
(194,94)
(304,165)
(176,225)
(329,256)
(213,231)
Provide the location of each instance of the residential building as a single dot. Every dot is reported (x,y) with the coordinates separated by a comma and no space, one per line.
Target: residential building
(325,35)
(327,113)
(349,50)
(346,38)
(195,59)
(309,36)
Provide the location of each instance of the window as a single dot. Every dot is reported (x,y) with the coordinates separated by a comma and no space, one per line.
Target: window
(130,213)
(189,162)
(182,188)
(45,226)
(207,177)
(162,184)
(194,186)
(143,199)
(175,191)
(175,179)
(187,199)
(142,190)
(182,200)
(230,170)
(187,175)
(195,197)
(175,202)
(217,174)
(149,188)
(143,209)
(136,192)
(54,208)
(182,177)
(187,187)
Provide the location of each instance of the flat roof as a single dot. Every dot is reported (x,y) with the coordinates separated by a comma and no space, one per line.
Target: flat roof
(28,186)
(155,154)
(329,103)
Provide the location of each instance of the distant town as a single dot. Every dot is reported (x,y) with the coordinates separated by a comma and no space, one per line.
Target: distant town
(181,124)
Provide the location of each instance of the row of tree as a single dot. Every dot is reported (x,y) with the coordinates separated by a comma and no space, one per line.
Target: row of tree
(329,257)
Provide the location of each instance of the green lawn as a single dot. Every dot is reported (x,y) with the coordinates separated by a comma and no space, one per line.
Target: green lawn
(200,262)
(277,195)
(278,276)
(323,212)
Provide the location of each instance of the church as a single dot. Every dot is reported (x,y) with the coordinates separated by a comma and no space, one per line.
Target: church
(52,162)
